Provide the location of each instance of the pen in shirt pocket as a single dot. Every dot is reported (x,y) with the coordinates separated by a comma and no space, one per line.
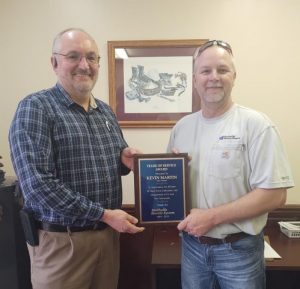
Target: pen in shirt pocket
(107,125)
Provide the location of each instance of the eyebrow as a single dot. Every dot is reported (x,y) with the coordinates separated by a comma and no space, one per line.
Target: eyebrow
(219,66)
(75,51)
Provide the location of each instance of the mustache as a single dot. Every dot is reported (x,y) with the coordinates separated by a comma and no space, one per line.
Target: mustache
(82,72)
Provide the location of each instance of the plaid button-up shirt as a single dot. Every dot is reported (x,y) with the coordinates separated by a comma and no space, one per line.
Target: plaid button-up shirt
(67,160)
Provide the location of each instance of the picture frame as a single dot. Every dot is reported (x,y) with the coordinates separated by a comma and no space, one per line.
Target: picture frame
(150,81)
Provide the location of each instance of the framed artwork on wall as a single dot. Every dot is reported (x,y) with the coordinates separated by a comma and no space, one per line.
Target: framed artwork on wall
(151,81)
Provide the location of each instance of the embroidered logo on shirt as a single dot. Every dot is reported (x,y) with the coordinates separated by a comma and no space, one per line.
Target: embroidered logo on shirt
(225,155)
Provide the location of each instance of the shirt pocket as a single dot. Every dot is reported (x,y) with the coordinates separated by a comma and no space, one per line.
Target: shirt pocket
(226,160)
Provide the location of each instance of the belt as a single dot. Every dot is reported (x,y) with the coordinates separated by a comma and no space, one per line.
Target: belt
(60,228)
(229,239)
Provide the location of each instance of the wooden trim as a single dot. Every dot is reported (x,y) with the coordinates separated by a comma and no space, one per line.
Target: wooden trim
(285,213)
(129,208)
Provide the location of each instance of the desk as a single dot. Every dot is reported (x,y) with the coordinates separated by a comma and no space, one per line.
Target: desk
(167,249)
(287,248)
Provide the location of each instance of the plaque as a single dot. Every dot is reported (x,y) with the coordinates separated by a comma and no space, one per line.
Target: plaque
(161,187)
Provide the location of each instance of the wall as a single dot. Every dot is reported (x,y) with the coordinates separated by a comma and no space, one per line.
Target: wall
(263,34)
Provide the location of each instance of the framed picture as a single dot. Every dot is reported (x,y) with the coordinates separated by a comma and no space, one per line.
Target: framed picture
(151,81)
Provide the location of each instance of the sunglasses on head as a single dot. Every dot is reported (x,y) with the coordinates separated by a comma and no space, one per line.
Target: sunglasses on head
(210,43)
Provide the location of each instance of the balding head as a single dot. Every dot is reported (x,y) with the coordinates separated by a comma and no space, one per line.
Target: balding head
(56,46)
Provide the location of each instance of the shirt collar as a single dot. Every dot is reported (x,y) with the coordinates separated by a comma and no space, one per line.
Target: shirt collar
(69,101)
(93,103)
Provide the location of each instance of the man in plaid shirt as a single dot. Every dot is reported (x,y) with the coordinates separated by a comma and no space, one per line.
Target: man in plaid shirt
(69,153)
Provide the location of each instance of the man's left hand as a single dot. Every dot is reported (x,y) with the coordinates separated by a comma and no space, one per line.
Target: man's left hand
(127,156)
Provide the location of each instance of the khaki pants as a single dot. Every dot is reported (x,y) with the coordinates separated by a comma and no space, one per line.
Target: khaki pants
(81,260)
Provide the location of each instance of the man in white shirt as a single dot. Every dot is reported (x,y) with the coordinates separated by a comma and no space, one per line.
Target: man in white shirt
(238,173)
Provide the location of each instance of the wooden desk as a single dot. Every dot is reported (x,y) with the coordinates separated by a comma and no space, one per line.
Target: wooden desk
(287,248)
(167,249)
(153,251)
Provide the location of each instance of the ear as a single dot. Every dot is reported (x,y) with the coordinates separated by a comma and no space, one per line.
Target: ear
(54,62)
(234,77)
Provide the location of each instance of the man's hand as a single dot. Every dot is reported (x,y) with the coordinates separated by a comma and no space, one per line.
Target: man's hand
(127,156)
(121,221)
(198,222)
(176,152)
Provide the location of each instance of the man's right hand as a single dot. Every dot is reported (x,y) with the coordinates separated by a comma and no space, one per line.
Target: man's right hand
(121,221)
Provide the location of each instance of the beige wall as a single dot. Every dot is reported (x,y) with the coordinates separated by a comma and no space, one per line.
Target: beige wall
(264,35)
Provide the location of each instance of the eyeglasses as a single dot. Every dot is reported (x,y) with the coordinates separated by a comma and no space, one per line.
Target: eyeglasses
(75,58)
(210,43)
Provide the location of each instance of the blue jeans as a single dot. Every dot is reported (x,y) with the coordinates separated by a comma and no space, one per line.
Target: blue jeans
(239,265)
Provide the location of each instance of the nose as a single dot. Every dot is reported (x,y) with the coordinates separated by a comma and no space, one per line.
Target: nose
(214,75)
(83,62)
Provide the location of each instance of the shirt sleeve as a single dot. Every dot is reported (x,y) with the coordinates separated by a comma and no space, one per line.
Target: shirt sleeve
(33,157)
(270,167)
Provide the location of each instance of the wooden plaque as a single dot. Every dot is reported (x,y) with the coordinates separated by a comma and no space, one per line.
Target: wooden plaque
(161,187)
